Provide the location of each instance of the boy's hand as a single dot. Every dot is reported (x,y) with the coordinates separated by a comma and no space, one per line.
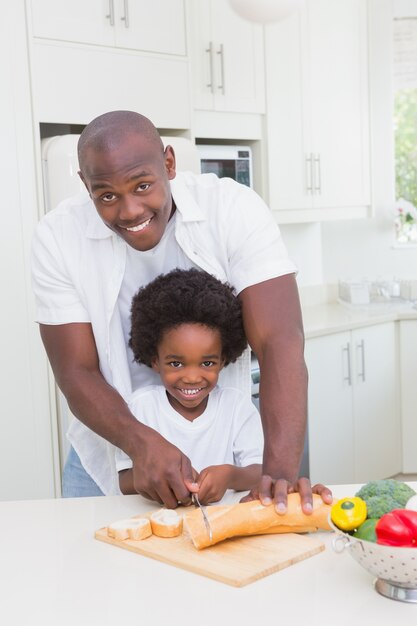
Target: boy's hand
(213,482)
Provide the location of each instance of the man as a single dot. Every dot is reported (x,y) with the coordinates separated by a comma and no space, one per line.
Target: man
(89,262)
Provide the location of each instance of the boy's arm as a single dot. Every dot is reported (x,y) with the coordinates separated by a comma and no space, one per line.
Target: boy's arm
(159,468)
(243,478)
(213,481)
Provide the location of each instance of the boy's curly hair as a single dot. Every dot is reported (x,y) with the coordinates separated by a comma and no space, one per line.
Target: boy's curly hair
(185,297)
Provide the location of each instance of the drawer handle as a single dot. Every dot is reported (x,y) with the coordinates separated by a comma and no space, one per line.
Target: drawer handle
(348,378)
(220,52)
(209,51)
(110,15)
(125,17)
(361,346)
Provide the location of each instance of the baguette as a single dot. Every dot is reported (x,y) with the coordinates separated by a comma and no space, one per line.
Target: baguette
(136,528)
(252,518)
(166,523)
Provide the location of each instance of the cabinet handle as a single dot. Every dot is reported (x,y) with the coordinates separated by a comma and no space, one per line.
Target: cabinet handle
(209,51)
(125,17)
(317,174)
(348,378)
(361,346)
(309,173)
(110,15)
(220,53)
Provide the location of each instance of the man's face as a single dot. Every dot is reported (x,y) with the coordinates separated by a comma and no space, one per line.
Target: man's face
(129,185)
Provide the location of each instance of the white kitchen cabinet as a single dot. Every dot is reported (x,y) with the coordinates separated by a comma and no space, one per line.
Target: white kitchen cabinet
(109,55)
(157,26)
(318,112)
(354,422)
(227,59)
(408,378)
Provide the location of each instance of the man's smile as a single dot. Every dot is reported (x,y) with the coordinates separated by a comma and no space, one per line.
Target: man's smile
(138,227)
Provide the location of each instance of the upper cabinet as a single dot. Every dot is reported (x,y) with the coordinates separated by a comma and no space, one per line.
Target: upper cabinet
(157,26)
(105,55)
(227,59)
(318,112)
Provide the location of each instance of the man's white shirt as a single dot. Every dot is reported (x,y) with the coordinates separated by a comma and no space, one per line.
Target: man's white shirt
(79,265)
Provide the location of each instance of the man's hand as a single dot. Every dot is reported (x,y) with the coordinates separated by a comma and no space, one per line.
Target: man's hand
(161,472)
(270,491)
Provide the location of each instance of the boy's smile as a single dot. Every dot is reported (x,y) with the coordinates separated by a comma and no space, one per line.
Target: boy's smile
(189,361)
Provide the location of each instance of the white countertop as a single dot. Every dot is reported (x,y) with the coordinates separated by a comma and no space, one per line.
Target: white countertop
(53,572)
(333,317)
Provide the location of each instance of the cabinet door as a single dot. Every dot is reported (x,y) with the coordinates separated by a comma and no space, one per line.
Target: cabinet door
(157,26)
(91,68)
(288,115)
(317,110)
(376,408)
(227,59)
(201,54)
(78,21)
(330,424)
(339,102)
(408,370)
(238,61)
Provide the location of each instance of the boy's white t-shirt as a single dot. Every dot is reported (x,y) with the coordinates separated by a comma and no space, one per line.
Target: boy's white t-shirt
(228,432)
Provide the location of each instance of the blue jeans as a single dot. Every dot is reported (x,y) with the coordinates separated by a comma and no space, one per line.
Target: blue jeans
(76,483)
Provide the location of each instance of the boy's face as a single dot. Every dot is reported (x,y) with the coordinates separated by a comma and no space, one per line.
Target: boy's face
(129,185)
(189,361)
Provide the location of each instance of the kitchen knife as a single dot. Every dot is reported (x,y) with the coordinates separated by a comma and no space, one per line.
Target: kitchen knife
(197,503)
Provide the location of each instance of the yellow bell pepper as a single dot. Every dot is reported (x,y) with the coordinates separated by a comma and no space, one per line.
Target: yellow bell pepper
(348,513)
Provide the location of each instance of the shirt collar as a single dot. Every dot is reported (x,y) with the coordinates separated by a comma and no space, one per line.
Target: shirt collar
(184,201)
(96,228)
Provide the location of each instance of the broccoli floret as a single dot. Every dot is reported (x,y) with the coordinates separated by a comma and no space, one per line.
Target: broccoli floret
(382,496)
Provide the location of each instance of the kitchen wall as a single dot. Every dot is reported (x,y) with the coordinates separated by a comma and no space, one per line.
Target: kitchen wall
(304,243)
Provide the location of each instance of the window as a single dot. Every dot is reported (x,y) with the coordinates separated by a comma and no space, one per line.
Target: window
(405,125)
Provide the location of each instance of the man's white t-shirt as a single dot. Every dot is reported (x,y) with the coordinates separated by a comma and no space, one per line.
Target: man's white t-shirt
(229,431)
(141,268)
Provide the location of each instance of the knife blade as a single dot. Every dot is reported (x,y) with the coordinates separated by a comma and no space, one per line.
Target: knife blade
(197,503)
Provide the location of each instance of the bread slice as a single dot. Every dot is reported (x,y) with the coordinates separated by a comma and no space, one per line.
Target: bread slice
(252,518)
(136,528)
(166,523)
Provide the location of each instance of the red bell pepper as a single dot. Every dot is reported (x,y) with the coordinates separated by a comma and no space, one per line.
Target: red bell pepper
(398,528)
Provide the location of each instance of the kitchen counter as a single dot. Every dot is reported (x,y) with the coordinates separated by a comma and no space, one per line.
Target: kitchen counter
(334,317)
(53,572)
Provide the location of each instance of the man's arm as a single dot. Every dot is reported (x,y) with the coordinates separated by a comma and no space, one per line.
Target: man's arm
(159,468)
(273,326)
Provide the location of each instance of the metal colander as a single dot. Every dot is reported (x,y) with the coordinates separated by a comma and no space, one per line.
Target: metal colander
(395,568)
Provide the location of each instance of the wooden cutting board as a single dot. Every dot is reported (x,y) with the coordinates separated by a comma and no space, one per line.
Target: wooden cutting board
(236,562)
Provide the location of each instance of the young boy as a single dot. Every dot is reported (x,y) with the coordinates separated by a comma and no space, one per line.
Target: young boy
(187,325)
